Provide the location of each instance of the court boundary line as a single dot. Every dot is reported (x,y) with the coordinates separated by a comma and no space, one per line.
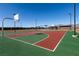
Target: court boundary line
(40,46)
(59,42)
(31,44)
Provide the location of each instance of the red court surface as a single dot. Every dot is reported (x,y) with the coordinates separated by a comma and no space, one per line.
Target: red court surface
(52,41)
(22,34)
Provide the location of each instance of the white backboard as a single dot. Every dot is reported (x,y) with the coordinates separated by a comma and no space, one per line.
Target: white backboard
(16,17)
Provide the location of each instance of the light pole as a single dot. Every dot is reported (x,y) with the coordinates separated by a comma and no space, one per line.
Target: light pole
(74,19)
(70,20)
(36,24)
(74,35)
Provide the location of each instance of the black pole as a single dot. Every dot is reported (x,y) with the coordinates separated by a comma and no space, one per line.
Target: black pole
(74,18)
(15,26)
(3,27)
(36,24)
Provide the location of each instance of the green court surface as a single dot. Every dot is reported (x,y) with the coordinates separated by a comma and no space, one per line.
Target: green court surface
(33,38)
(13,47)
(68,47)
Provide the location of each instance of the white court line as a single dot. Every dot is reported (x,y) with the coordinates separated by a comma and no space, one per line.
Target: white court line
(40,46)
(59,42)
(56,45)
(31,44)
(41,39)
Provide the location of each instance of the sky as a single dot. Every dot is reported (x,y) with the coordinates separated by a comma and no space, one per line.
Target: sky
(37,14)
